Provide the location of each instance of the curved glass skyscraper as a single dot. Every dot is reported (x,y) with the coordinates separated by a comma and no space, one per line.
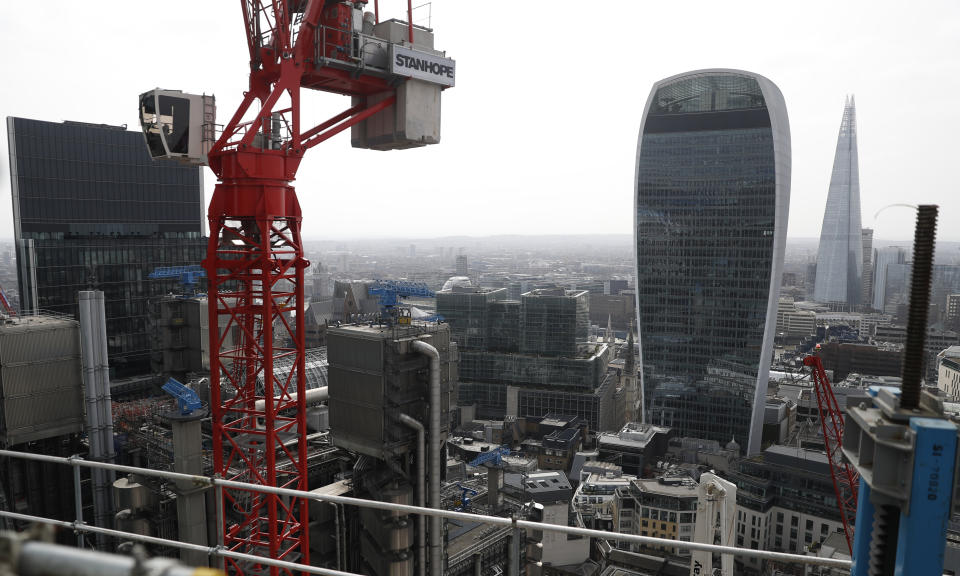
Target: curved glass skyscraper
(712,199)
(840,256)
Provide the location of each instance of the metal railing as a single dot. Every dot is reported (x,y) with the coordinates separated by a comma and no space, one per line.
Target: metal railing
(219,551)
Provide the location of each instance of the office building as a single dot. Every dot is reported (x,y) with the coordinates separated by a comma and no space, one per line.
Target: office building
(840,256)
(554,321)
(883,258)
(948,368)
(844,358)
(467,310)
(713,194)
(91,210)
(530,357)
(794,325)
(664,507)
(800,512)
(378,380)
(620,309)
(635,447)
(552,493)
(41,412)
(595,496)
(944,281)
(952,319)
(866,297)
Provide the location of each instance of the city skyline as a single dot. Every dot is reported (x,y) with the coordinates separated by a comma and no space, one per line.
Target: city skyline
(435,367)
(572,144)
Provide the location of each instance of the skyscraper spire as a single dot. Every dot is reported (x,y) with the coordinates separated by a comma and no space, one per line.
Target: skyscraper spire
(840,256)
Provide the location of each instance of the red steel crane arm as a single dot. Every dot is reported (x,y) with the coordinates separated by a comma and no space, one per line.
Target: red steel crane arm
(844,476)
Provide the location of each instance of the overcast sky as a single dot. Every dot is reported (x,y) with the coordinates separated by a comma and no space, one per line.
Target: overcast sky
(539,135)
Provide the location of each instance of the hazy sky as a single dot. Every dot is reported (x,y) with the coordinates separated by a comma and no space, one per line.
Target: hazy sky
(539,135)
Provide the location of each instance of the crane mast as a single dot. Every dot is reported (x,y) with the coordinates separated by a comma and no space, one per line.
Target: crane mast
(255,261)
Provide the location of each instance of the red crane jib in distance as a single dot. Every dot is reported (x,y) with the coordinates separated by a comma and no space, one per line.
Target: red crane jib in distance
(255,268)
(845,477)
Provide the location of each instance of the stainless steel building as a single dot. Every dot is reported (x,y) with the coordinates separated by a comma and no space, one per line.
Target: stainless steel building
(840,256)
(712,199)
(41,388)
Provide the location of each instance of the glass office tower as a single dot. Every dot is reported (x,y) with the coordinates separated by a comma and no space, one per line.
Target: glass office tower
(840,255)
(92,211)
(712,199)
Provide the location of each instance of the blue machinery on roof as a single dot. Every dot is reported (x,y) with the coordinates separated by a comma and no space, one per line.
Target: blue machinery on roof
(390,292)
(464,500)
(493,456)
(187,399)
(905,451)
(189,276)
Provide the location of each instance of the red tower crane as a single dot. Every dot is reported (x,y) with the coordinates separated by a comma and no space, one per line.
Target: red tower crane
(255,262)
(845,477)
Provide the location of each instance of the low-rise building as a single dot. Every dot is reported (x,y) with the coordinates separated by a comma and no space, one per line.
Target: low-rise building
(785,502)
(948,372)
(665,507)
(635,446)
(845,358)
(793,324)
(695,452)
(552,493)
(595,499)
(779,419)
(559,448)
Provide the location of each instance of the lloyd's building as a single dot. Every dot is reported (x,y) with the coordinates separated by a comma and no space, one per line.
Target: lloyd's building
(712,199)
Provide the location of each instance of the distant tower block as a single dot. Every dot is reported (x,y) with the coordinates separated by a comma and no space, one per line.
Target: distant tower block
(840,256)
(462,268)
(867,294)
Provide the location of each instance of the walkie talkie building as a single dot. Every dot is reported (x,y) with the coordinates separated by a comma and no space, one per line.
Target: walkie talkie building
(712,199)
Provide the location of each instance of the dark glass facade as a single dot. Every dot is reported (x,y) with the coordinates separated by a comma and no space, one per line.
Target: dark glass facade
(93,211)
(712,192)
(536,346)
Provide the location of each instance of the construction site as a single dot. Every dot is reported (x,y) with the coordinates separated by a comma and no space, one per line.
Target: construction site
(452,432)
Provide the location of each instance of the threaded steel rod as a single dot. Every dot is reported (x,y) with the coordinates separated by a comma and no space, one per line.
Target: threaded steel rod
(913,353)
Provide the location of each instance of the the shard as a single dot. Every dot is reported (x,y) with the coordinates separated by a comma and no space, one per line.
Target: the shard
(840,257)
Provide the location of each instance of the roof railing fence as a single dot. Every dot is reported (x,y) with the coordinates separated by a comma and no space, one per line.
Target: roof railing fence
(217,484)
